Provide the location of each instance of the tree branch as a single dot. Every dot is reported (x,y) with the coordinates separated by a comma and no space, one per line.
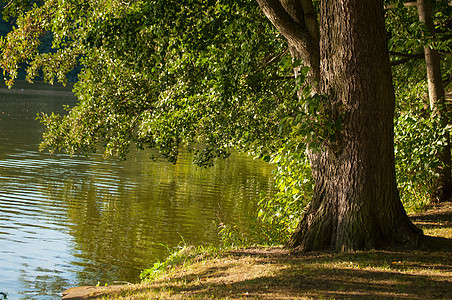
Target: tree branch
(407,55)
(7,5)
(399,62)
(311,21)
(285,24)
(447,79)
(303,39)
(271,60)
(408,4)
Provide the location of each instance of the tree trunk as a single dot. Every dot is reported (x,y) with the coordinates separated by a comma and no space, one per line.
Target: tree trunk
(437,97)
(356,204)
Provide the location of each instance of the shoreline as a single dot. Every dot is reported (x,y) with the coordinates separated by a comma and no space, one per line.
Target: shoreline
(276,273)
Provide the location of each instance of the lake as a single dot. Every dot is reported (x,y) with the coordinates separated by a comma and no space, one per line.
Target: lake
(68,221)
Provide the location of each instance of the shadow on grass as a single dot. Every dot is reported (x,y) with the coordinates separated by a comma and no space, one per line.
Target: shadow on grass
(274,273)
(350,283)
(375,274)
(365,275)
(440,216)
(435,218)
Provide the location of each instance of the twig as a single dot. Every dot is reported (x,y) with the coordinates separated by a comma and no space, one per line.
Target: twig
(408,4)
(271,60)
(407,59)
(447,79)
(408,55)
(7,5)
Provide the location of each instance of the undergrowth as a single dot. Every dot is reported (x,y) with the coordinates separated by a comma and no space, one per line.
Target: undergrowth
(182,255)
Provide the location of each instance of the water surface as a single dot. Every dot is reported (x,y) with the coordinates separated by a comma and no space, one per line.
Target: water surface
(68,221)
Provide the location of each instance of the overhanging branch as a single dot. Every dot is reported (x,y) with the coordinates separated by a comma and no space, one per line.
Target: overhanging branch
(285,24)
(7,5)
(303,39)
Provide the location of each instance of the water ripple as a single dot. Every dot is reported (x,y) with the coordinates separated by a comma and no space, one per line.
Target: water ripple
(67,221)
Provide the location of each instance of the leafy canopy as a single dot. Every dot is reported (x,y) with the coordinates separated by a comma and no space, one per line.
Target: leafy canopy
(206,75)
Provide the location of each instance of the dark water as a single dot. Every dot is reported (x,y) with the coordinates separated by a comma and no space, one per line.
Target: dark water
(76,221)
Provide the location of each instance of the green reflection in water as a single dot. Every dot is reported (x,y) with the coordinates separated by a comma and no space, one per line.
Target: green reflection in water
(122,214)
(72,221)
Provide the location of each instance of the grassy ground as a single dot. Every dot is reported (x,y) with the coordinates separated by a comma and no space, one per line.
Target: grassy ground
(274,273)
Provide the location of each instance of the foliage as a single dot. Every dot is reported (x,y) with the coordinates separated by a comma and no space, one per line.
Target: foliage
(183,255)
(417,140)
(407,35)
(209,76)
(418,135)
(276,216)
(159,74)
(295,188)
(205,75)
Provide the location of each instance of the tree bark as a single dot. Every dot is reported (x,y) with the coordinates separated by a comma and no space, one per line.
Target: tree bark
(356,204)
(437,98)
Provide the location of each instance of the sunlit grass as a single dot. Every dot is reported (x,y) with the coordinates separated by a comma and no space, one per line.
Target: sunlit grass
(274,273)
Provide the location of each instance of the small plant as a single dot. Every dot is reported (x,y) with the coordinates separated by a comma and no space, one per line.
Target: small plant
(418,139)
(181,256)
(275,217)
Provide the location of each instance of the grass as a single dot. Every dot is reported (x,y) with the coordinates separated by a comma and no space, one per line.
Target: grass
(274,273)
(435,222)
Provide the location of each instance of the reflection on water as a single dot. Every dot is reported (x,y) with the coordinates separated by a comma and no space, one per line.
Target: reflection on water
(77,221)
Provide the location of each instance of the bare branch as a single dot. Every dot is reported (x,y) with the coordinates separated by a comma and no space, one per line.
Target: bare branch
(272,60)
(399,62)
(447,79)
(7,5)
(407,55)
(408,4)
